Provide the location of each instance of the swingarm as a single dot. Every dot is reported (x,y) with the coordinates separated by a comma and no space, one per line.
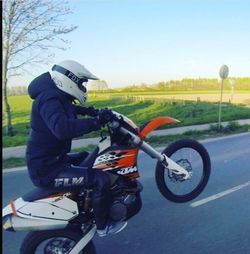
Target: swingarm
(83,241)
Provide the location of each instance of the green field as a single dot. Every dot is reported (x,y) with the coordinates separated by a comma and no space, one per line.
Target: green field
(140,109)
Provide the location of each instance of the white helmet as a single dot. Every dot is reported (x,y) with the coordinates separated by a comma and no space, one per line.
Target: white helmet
(70,77)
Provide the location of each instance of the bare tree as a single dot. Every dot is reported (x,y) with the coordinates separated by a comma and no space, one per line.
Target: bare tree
(31,28)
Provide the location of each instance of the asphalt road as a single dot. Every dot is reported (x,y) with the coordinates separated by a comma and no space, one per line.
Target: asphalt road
(217,222)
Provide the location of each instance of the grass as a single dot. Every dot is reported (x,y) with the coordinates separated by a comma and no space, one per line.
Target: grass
(187,112)
(13,162)
(157,141)
(214,131)
(167,92)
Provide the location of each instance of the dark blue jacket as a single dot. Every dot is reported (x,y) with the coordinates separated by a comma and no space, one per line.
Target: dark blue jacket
(53,125)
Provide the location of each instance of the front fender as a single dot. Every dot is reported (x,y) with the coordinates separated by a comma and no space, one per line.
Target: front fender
(155,123)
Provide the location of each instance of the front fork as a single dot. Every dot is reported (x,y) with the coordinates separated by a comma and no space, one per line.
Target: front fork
(169,164)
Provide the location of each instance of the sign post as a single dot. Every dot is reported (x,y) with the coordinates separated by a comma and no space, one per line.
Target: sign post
(224,70)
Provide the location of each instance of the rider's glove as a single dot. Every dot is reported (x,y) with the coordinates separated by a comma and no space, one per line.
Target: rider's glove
(105,116)
(90,111)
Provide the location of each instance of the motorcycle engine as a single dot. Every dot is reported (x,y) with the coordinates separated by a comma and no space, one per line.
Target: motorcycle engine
(127,203)
(119,207)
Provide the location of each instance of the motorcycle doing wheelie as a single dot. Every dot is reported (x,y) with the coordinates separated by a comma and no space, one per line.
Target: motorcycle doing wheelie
(63,221)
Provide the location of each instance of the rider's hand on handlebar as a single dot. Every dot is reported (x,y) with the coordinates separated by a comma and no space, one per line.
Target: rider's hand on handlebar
(105,116)
(91,111)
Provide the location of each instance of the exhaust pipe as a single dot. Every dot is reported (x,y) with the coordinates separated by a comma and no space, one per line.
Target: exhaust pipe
(16,223)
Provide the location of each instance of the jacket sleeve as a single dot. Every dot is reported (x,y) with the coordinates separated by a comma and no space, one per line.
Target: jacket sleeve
(80,110)
(56,119)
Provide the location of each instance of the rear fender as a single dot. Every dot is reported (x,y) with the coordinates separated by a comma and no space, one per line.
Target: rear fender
(7,211)
(17,223)
(58,208)
(13,207)
(155,123)
(10,211)
(43,214)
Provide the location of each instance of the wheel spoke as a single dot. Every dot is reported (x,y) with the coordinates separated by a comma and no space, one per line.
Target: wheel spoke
(193,157)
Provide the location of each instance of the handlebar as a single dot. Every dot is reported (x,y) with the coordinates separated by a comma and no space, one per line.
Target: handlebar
(109,118)
(114,121)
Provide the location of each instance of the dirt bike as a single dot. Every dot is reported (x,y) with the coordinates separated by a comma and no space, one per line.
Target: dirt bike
(63,222)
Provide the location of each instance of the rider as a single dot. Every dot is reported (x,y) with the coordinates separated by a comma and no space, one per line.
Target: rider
(54,124)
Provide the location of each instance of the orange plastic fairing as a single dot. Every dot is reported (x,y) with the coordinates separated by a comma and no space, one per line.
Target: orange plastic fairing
(155,123)
(117,159)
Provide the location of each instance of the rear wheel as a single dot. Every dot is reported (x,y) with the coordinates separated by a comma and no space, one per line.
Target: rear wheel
(192,156)
(54,242)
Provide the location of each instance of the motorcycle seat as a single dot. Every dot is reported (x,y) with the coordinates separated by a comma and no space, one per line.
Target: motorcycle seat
(39,193)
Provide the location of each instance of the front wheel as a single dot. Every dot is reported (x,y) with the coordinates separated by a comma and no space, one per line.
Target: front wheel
(192,156)
(54,242)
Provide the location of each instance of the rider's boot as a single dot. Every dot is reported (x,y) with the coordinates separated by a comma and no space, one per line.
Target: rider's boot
(101,208)
(113,227)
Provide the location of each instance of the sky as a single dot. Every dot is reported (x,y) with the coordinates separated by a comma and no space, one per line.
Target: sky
(127,42)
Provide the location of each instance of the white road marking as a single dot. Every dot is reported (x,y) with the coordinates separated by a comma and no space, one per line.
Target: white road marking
(219,195)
